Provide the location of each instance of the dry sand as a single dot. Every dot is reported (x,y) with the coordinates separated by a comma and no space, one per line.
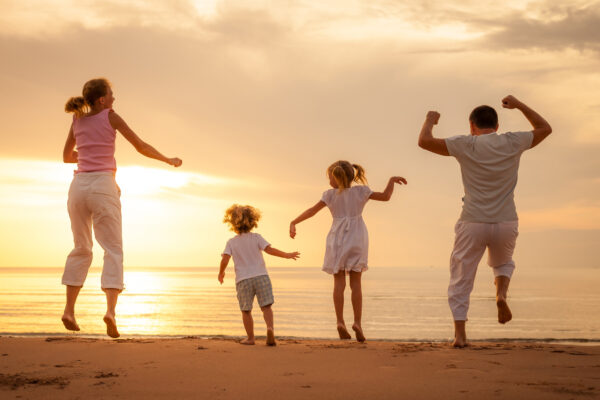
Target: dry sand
(81,368)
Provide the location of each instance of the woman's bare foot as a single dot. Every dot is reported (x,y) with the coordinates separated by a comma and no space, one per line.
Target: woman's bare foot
(343,332)
(111,326)
(504,314)
(359,333)
(69,322)
(247,341)
(271,338)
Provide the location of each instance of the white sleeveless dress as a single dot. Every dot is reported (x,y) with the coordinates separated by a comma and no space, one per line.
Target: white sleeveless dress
(347,246)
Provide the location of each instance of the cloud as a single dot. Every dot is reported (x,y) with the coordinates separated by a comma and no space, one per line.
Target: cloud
(555,28)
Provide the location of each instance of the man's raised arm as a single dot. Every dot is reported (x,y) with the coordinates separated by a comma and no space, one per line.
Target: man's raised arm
(541,127)
(426,139)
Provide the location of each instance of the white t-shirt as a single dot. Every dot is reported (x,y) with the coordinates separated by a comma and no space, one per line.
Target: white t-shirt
(246,250)
(489,165)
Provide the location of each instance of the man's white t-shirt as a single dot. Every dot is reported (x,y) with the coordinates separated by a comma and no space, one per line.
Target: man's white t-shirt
(489,166)
(246,250)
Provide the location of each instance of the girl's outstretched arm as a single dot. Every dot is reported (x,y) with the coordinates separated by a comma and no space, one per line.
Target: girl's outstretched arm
(142,147)
(389,189)
(305,215)
(69,153)
(278,253)
(224,261)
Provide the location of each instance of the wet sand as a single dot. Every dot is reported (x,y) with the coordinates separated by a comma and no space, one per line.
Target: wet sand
(73,367)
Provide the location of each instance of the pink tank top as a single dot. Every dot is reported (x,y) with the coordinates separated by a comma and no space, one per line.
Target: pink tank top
(95,139)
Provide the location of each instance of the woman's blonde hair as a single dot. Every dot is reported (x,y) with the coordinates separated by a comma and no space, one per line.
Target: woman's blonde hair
(92,91)
(343,173)
(242,219)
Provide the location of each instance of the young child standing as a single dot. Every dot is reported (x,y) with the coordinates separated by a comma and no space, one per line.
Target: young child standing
(251,277)
(347,242)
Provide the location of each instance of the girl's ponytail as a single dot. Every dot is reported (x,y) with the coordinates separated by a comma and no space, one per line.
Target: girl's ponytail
(360,174)
(341,177)
(76,105)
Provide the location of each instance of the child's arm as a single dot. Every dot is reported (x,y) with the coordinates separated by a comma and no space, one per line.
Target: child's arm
(224,261)
(305,215)
(426,139)
(389,189)
(278,253)
(69,153)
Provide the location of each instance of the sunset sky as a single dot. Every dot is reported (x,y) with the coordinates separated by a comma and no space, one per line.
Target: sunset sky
(259,97)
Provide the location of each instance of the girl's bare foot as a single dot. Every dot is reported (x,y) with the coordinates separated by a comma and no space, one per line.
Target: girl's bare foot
(111,326)
(271,338)
(69,322)
(343,332)
(359,333)
(247,341)
(504,314)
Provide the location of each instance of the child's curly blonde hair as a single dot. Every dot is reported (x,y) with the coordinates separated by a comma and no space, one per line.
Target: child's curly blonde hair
(242,219)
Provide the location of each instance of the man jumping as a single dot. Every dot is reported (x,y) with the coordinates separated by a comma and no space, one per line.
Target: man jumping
(489,164)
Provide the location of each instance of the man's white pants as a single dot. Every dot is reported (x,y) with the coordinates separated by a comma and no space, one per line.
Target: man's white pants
(471,240)
(94,202)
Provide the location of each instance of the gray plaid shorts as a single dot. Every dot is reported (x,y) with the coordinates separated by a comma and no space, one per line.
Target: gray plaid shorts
(259,286)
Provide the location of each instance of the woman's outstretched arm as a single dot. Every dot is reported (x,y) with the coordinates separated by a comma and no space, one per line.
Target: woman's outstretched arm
(69,153)
(142,147)
(305,215)
(389,189)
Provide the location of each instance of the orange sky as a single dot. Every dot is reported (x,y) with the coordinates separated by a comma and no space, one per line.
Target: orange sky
(259,98)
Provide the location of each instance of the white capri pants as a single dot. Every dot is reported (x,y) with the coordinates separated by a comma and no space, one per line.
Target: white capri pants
(471,240)
(94,202)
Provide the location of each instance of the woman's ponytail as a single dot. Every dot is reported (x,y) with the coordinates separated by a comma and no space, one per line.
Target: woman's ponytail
(92,91)
(76,105)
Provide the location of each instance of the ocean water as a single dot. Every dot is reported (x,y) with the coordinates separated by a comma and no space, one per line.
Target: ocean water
(398,304)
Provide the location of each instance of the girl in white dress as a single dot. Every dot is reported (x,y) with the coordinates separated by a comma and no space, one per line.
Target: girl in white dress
(347,242)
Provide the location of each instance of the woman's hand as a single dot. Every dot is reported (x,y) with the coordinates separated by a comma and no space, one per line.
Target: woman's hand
(293,255)
(221,277)
(176,162)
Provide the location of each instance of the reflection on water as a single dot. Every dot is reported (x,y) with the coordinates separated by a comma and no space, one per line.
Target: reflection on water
(399,303)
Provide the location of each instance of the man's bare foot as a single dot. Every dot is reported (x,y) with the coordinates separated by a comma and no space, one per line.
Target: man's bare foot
(69,322)
(111,326)
(504,314)
(247,341)
(343,332)
(271,338)
(460,335)
(359,333)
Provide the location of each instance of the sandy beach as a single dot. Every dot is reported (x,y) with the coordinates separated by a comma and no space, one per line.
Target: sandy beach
(72,367)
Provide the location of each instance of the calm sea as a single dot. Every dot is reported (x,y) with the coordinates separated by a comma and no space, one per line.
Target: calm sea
(399,303)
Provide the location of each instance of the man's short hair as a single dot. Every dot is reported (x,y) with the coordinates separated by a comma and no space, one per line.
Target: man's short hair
(484,117)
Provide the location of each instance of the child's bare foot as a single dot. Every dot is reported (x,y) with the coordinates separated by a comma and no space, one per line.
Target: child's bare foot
(359,333)
(271,338)
(247,341)
(459,343)
(69,322)
(504,314)
(343,332)
(111,326)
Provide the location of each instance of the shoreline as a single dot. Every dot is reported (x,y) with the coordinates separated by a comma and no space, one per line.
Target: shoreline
(71,336)
(58,367)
